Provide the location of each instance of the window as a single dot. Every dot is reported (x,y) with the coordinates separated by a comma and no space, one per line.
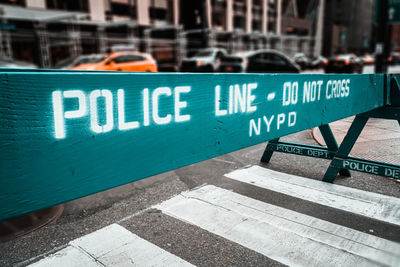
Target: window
(158,10)
(256,25)
(239,22)
(77,5)
(256,57)
(275,59)
(239,8)
(220,54)
(218,18)
(121,9)
(128,58)
(218,3)
(89,59)
(204,53)
(158,13)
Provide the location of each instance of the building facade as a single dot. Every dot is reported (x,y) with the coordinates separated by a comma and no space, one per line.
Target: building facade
(395,37)
(348,26)
(49,31)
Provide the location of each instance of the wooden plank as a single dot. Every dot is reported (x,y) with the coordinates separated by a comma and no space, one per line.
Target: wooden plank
(65,135)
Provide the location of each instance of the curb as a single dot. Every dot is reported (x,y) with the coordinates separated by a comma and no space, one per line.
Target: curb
(317,136)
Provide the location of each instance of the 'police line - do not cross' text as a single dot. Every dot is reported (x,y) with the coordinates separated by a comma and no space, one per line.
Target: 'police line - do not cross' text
(105,110)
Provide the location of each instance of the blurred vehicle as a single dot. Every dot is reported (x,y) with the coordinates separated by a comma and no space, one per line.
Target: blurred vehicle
(394,58)
(318,62)
(116,61)
(260,61)
(302,60)
(346,63)
(16,64)
(205,60)
(70,62)
(368,59)
(84,60)
(66,63)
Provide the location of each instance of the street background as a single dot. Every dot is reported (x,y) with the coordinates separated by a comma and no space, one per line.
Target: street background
(231,210)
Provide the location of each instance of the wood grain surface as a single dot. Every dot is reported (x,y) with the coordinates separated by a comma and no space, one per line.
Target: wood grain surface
(67,134)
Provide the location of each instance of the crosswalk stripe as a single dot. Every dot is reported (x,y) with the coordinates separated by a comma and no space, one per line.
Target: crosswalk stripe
(69,256)
(377,206)
(283,235)
(111,246)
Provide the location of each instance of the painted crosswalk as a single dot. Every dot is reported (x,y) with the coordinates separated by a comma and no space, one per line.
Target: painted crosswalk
(281,234)
(377,206)
(111,246)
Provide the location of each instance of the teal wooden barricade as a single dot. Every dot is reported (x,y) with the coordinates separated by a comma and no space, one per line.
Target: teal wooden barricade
(67,134)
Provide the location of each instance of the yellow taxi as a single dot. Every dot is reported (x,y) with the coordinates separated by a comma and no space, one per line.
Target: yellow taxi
(116,61)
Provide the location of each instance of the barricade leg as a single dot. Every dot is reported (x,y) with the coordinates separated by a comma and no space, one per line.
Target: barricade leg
(345,148)
(332,145)
(266,157)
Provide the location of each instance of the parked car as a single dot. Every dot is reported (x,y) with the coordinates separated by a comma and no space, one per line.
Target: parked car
(16,64)
(205,60)
(394,58)
(368,59)
(260,61)
(346,63)
(302,60)
(318,62)
(116,61)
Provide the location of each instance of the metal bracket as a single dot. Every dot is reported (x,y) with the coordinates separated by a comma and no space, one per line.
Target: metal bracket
(345,148)
(307,150)
(341,162)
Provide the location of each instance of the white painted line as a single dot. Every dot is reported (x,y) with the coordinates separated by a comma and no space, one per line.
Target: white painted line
(67,257)
(222,160)
(283,235)
(113,246)
(377,206)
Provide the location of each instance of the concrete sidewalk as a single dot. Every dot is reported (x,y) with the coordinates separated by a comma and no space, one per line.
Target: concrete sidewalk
(379,140)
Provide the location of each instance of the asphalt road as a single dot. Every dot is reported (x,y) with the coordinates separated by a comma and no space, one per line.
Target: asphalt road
(133,207)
